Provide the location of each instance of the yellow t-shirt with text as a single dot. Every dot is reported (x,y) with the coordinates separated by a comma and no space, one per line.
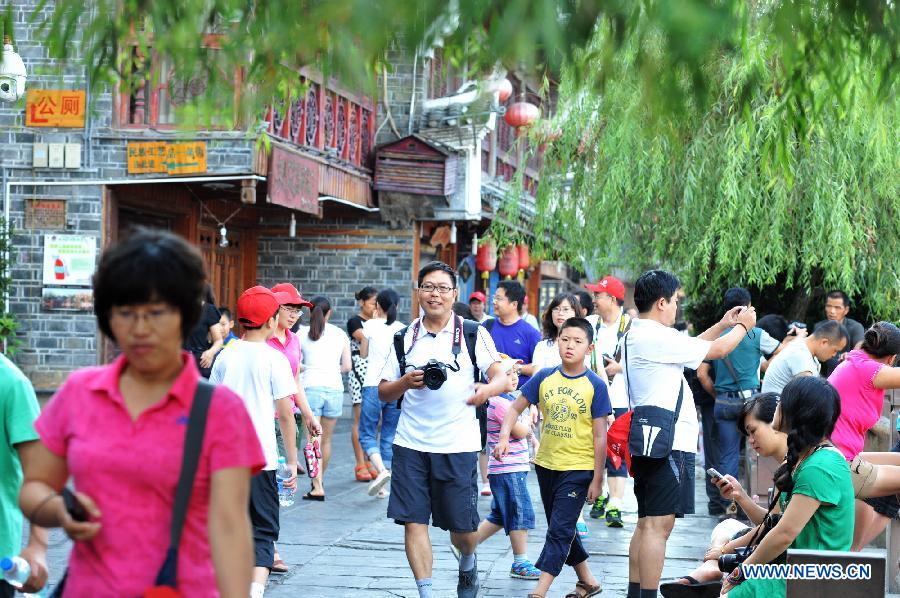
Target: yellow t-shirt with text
(569,405)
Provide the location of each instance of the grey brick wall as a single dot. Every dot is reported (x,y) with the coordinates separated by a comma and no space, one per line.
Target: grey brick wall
(381,257)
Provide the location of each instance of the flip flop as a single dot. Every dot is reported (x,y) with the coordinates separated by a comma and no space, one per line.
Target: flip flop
(692,589)
(588,589)
(316,497)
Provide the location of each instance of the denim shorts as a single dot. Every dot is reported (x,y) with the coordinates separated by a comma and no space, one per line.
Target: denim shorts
(511,503)
(325,402)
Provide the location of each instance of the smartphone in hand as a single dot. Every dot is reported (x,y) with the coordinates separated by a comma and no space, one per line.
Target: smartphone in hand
(714,474)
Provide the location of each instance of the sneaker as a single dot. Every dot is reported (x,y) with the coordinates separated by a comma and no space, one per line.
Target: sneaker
(383,493)
(468,584)
(378,483)
(486,490)
(614,518)
(582,529)
(599,508)
(524,570)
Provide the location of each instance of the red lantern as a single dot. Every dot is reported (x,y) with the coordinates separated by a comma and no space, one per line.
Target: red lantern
(486,258)
(521,114)
(509,262)
(505,90)
(524,260)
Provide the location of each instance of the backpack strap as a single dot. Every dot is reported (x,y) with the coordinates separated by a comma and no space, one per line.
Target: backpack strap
(489,323)
(470,334)
(399,337)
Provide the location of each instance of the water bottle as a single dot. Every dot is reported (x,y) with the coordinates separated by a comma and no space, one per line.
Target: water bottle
(15,570)
(282,474)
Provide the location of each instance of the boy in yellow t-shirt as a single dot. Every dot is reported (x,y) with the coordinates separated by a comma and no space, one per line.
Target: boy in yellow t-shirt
(570,463)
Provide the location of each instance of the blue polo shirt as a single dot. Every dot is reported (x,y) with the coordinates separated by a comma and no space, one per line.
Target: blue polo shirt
(517,340)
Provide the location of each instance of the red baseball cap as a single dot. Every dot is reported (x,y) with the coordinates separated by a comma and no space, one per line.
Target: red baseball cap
(479,296)
(287,294)
(256,305)
(608,284)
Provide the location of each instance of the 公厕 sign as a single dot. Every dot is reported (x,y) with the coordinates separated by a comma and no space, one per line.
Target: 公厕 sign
(163,157)
(55,108)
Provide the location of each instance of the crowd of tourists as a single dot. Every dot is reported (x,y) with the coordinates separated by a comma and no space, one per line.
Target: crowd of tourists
(454,404)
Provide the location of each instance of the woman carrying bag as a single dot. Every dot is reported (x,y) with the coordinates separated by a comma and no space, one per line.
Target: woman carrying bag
(119,431)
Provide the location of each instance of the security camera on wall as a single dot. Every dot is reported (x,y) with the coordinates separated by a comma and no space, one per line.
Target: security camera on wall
(12,73)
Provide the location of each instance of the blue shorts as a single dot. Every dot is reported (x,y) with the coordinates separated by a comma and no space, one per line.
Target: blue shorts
(611,470)
(325,402)
(511,503)
(439,487)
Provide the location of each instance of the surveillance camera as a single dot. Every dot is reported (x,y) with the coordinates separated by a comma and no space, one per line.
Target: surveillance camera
(12,74)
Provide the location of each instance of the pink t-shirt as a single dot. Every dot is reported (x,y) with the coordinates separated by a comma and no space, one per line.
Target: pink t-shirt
(131,468)
(517,458)
(292,350)
(861,402)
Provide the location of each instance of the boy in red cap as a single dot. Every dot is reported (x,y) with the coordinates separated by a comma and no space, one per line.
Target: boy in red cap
(261,376)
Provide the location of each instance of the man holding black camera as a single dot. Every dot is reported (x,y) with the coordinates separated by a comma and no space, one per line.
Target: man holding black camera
(434,476)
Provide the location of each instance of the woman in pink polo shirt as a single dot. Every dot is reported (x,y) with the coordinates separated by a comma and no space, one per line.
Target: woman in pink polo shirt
(861,379)
(119,431)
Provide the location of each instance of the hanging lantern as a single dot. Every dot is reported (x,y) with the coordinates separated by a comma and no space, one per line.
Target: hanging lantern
(521,114)
(524,260)
(486,258)
(505,90)
(509,262)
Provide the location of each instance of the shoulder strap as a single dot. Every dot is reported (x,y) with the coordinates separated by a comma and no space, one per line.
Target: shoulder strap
(399,336)
(193,445)
(727,361)
(625,362)
(489,323)
(624,325)
(470,333)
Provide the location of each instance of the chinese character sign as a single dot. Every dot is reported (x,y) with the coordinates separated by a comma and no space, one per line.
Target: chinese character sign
(55,108)
(294,181)
(161,157)
(69,259)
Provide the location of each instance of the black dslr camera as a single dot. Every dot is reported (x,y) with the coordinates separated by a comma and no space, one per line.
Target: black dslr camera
(730,562)
(434,374)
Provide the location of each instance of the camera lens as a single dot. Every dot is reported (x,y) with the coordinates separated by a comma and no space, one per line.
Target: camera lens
(4,87)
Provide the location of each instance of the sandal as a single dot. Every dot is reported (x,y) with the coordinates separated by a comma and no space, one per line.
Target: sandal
(279,566)
(372,471)
(535,596)
(589,590)
(362,474)
(317,497)
(692,589)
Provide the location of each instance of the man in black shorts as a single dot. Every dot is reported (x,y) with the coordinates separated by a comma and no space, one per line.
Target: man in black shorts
(653,357)
(434,476)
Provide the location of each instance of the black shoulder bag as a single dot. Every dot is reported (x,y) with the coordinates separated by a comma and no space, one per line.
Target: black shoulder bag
(652,431)
(167,578)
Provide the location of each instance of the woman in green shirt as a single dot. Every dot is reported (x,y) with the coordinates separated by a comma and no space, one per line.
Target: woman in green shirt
(816,493)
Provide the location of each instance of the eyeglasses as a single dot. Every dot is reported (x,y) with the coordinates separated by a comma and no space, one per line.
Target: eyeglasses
(443,289)
(290,310)
(128,317)
(561,309)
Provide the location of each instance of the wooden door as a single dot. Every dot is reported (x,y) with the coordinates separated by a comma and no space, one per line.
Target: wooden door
(225,264)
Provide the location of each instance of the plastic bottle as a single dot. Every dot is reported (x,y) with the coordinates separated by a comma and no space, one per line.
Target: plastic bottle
(282,474)
(16,570)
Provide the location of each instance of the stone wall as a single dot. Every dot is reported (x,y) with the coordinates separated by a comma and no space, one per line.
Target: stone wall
(337,257)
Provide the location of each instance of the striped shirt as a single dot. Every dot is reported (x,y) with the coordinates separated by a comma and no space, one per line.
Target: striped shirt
(517,457)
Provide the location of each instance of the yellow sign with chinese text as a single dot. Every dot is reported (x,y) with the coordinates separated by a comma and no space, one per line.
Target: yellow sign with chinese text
(162,157)
(55,108)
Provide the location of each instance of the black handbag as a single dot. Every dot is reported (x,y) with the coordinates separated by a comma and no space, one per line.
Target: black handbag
(167,577)
(652,431)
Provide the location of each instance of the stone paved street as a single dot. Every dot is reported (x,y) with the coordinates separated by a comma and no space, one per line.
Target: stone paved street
(347,547)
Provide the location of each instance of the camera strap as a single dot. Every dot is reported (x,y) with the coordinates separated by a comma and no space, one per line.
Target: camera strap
(461,328)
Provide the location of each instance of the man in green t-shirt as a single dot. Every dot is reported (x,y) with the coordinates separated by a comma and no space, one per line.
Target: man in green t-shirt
(18,439)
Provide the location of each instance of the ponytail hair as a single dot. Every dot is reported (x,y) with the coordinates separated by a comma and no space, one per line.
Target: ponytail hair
(321,308)
(366,293)
(387,300)
(810,406)
(881,340)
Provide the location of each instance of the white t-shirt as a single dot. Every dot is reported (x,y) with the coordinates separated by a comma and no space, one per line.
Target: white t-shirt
(654,365)
(381,339)
(606,342)
(546,354)
(322,358)
(440,421)
(260,375)
(794,359)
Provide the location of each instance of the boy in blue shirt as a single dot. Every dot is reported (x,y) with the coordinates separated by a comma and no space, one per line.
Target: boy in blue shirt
(570,463)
